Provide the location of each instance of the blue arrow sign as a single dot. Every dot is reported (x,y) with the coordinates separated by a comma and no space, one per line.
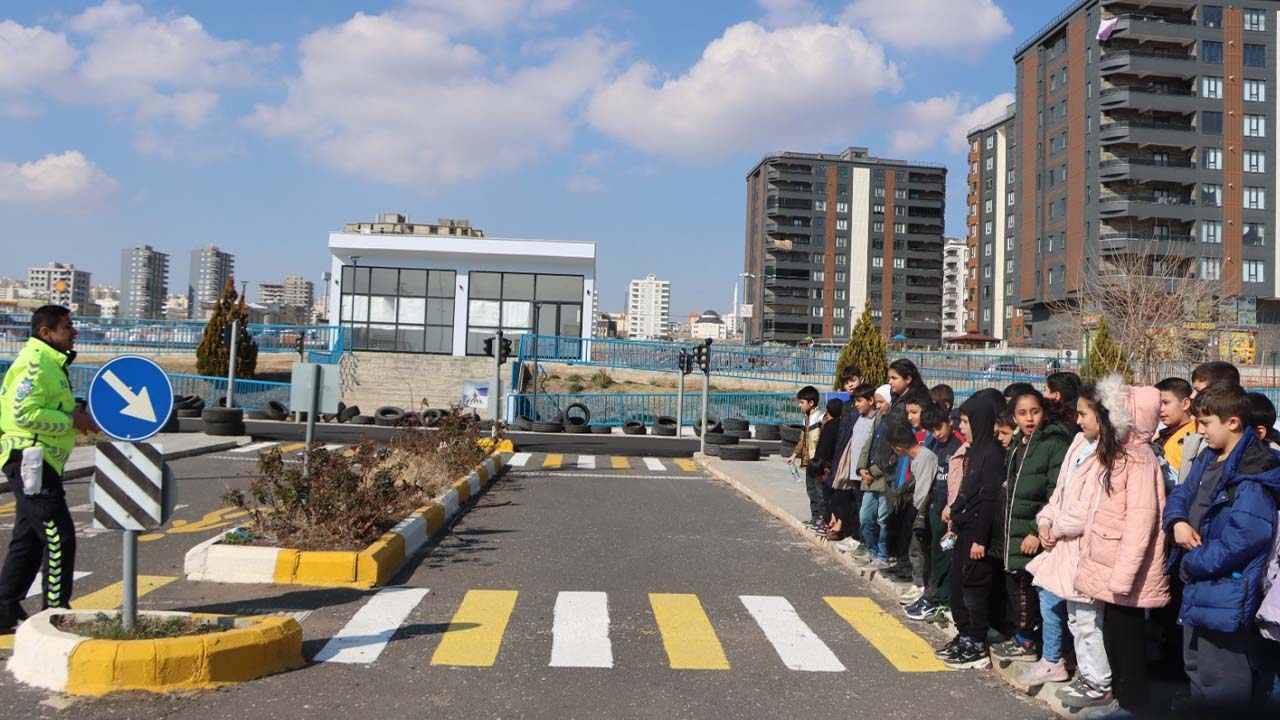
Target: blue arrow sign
(130,398)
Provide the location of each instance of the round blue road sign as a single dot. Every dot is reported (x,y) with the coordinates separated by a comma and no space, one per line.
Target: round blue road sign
(130,398)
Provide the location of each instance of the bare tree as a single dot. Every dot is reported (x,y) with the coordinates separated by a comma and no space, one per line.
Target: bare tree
(1160,312)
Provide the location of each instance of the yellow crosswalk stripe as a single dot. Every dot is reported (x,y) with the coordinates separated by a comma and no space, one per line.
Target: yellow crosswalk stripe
(619,463)
(291,447)
(111,596)
(553,461)
(686,464)
(475,632)
(687,634)
(905,650)
(349,452)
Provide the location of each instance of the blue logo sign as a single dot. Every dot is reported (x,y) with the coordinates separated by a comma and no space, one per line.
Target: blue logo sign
(130,398)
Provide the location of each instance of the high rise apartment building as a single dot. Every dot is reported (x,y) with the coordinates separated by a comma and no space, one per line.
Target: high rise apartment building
(827,235)
(144,282)
(991,282)
(648,308)
(1142,129)
(299,291)
(954,273)
(209,272)
(60,284)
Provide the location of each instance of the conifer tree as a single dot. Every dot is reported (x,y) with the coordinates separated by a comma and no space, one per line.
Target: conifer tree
(213,354)
(1105,356)
(865,350)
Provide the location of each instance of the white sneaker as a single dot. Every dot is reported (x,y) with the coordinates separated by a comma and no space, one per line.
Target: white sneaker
(847,545)
(910,595)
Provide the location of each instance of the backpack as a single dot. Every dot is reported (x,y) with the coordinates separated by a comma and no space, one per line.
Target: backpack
(1167,471)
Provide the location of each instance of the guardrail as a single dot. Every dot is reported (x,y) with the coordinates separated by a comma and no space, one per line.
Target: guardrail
(116,335)
(250,394)
(607,409)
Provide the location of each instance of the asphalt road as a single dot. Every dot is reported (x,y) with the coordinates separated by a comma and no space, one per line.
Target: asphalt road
(681,564)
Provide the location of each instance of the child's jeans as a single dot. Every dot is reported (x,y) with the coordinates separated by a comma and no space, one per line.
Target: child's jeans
(1053,615)
(817,495)
(940,561)
(1085,621)
(874,519)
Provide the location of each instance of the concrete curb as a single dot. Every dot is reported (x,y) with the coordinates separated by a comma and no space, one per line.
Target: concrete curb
(1007,671)
(49,658)
(228,444)
(372,567)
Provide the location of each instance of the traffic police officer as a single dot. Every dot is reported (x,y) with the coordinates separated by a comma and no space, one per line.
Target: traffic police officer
(39,420)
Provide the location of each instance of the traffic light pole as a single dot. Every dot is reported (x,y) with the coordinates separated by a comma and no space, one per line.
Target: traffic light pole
(680,396)
(706,385)
(496,394)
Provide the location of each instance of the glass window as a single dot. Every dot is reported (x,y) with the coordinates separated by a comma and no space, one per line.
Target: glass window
(1212,158)
(1255,271)
(1255,20)
(517,286)
(1255,198)
(1211,232)
(413,283)
(1255,55)
(1211,52)
(1255,161)
(560,287)
(1211,16)
(1255,125)
(1211,122)
(384,281)
(1211,195)
(1211,87)
(382,308)
(1255,90)
(484,312)
(1210,269)
(413,310)
(1255,234)
(486,285)
(361,284)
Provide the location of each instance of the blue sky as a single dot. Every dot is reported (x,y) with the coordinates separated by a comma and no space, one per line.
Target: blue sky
(260,127)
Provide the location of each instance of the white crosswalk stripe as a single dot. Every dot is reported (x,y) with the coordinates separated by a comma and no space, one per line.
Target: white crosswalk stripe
(519,459)
(587,462)
(37,587)
(580,631)
(332,448)
(796,644)
(255,447)
(363,638)
(654,464)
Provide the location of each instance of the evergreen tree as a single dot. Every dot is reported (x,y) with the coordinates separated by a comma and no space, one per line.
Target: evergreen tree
(1105,356)
(213,355)
(866,351)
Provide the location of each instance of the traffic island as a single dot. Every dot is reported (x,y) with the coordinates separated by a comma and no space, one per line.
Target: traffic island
(225,651)
(216,560)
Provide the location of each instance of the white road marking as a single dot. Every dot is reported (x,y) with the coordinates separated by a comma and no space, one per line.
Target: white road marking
(332,448)
(363,638)
(37,587)
(254,447)
(580,631)
(795,642)
(654,464)
(587,462)
(519,459)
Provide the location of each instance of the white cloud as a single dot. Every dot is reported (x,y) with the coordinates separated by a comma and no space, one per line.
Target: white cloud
(486,15)
(390,99)
(945,25)
(69,177)
(783,13)
(30,57)
(584,184)
(920,125)
(819,81)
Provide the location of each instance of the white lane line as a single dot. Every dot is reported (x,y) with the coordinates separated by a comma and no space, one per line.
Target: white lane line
(654,464)
(580,631)
(363,638)
(797,645)
(37,587)
(254,447)
(332,448)
(586,462)
(519,459)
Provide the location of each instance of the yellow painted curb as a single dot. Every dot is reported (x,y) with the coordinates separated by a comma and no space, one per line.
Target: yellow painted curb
(255,648)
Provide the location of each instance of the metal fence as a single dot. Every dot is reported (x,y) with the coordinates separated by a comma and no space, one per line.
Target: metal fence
(615,409)
(250,394)
(324,343)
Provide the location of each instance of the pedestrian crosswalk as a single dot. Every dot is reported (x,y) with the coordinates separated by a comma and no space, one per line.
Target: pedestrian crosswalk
(566,462)
(586,629)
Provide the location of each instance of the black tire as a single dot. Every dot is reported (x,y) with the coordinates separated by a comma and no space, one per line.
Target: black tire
(348,413)
(341,406)
(741,452)
(664,430)
(735,424)
(721,439)
(713,450)
(544,426)
(362,420)
(329,417)
(768,432)
(387,416)
(577,429)
(302,417)
(193,403)
(790,433)
(601,430)
(231,428)
(664,421)
(524,422)
(222,415)
(634,427)
(431,417)
(255,415)
(713,425)
(740,434)
(222,402)
(585,419)
(171,425)
(188,413)
(277,410)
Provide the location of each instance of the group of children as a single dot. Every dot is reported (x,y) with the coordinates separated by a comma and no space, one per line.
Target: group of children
(1074,528)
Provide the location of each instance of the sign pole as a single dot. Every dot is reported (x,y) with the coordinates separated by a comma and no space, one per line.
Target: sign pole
(680,399)
(129,612)
(312,406)
(231,366)
(703,435)
(495,392)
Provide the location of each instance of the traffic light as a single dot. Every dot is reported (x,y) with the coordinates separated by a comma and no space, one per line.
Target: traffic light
(299,343)
(702,356)
(488,346)
(504,350)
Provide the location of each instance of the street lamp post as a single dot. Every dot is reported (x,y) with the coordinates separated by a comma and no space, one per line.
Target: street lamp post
(737,312)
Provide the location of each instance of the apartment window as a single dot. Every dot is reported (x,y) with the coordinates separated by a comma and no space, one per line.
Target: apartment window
(1255,126)
(1254,271)
(986,314)
(820,205)
(1211,232)
(986,249)
(1211,87)
(1009,222)
(1255,90)
(838,312)
(877,226)
(842,295)
(991,141)
(1255,161)
(900,228)
(1211,122)
(879,192)
(986,272)
(1211,158)
(1008,267)
(842,276)
(991,162)
(1050,276)
(1211,195)
(817,311)
(842,260)
(1009,199)
(973,209)
(398,310)
(842,224)
(900,193)
(1255,198)
(900,263)
(877,209)
(1255,55)
(877,314)
(819,276)
(1210,269)
(819,188)
(842,189)
(1211,16)
(987,207)
(1010,177)
(842,207)
(837,329)
(1053,82)
(987,228)
(818,258)
(1255,234)
(1255,20)
(1211,52)
(842,241)
(877,262)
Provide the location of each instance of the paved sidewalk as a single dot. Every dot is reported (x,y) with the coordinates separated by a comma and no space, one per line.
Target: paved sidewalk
(176,446)
(769,484)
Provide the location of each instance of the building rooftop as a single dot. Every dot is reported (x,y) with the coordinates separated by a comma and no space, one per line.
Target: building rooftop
(399,224)
(850,154)
(1050,26)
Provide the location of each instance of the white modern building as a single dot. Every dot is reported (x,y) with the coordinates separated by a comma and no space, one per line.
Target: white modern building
(144,282)
(59,284)
(708,325)
(206,278)
(648,308)
(444,288)
(954,262)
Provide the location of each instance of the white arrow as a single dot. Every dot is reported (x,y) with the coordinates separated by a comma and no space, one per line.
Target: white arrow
(136,406)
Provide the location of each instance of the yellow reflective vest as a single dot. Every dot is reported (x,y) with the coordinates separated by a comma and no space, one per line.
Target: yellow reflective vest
(36,404)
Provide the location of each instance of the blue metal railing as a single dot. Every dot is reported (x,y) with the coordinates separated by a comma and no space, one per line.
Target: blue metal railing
(250,394)
(611,409)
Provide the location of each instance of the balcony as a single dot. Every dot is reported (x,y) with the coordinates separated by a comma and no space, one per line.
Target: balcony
(1157,28)
(1148,63)
(1142,170)
(1143,4)
(1148,97)
(1147,133)
(1143,244)
(1147,206)
(793,173)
